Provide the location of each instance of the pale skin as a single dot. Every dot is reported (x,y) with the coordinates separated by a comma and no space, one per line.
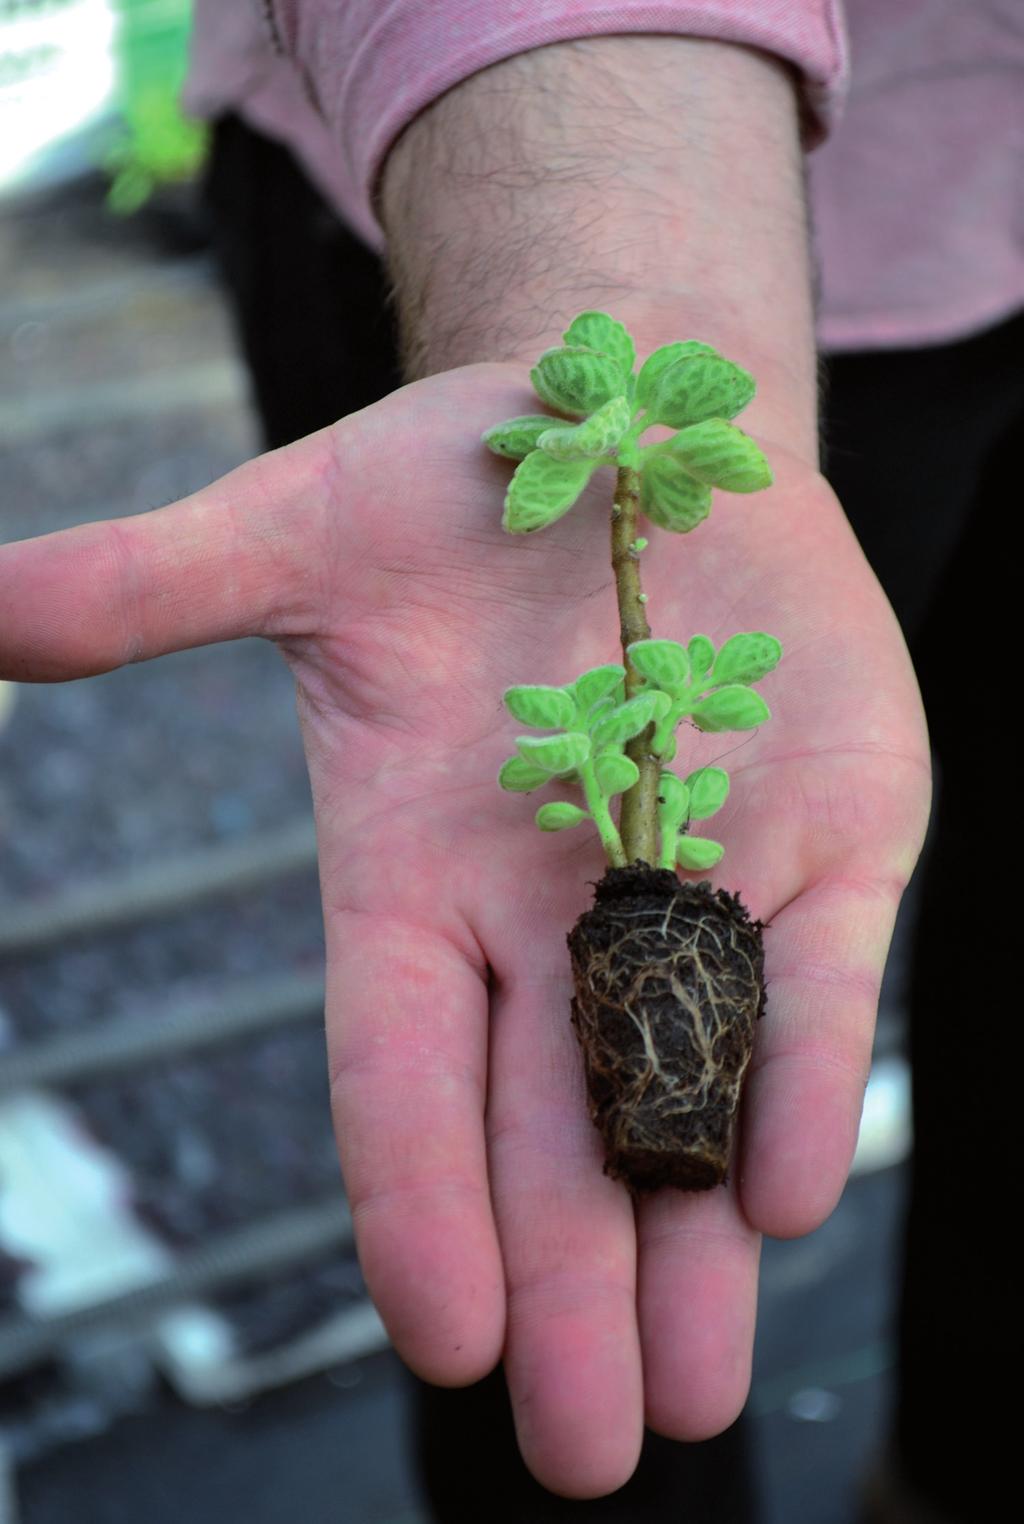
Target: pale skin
(372,554)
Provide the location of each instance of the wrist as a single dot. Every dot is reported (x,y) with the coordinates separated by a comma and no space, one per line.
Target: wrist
(659,179)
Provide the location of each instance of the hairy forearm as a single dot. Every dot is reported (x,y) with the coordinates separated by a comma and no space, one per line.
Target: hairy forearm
(659,178)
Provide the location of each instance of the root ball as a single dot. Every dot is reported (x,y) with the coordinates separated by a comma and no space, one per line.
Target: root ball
(669,980)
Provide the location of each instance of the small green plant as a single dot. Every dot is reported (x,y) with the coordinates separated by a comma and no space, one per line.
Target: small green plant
(668,974)
(153,143)
(614,727)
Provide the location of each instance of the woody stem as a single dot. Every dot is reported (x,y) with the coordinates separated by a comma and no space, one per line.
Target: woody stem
(638,821)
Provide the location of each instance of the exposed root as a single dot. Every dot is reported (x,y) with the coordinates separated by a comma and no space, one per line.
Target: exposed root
(669,983)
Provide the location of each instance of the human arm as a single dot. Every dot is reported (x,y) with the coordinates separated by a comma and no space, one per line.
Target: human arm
(372,553)
(660,178)
(522,197)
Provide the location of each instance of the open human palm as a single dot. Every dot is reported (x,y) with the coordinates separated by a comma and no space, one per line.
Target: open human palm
(372,553)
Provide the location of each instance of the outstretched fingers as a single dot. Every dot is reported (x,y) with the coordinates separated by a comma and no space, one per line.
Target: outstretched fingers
(238,558)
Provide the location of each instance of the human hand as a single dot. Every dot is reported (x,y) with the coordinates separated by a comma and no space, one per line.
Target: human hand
(372,554)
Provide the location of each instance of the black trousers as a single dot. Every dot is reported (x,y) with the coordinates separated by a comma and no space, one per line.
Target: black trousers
(922,447)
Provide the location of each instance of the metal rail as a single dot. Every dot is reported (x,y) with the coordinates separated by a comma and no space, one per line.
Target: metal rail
(111,1047)
(263,1248)
(159,888)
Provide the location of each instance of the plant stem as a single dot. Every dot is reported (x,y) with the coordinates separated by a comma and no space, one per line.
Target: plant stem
(597,804)
(638,822)
(665,728)
(669,844)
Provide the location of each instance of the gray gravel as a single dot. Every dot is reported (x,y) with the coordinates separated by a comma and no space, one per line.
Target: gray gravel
(127,769)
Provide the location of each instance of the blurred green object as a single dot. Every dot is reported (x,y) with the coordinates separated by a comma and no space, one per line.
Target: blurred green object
(153,143)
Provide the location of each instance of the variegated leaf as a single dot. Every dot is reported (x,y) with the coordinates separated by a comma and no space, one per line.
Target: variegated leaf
(542,490)
(671,497)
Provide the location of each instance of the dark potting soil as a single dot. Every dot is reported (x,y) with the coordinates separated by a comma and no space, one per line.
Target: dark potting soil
(669,981)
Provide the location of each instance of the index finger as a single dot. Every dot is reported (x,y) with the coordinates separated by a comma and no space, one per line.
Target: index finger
(407,1046)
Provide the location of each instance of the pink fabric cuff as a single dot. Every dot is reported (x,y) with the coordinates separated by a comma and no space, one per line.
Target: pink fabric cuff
(373,65)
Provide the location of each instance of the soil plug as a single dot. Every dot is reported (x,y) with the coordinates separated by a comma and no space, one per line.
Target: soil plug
(668,972)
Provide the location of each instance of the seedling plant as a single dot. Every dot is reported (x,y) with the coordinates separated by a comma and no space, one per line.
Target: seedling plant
(668,973)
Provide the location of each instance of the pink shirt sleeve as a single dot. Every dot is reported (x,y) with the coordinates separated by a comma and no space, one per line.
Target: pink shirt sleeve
(915,198)
(372,65)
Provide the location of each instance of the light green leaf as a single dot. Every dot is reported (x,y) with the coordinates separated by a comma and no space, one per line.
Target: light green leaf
(627,721)
(709,789)
(673,800)
(746,658)
(597,684)
(592,438)
(596,330)
(701,652)
(559,817)
(604,706)
(577,380)
(730,708)
(547,708)
(698,853)
(660,360)
(542,490)
(516,437)
(670,496)
(664,662)
(615,773)
(668,751)
(699,387)
(520,777)
(555,754)
(721,455)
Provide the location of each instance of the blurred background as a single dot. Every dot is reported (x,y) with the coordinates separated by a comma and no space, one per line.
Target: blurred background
(184,1332)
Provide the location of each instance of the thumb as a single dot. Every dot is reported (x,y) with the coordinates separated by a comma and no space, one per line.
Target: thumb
(240,557)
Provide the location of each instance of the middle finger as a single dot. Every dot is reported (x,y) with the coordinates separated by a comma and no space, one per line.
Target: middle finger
(572,1354)
(697,1307)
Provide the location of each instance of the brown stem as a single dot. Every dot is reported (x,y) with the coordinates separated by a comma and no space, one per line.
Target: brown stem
(638,821)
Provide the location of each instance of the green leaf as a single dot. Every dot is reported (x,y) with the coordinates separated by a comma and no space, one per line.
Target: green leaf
(626,721)
(660,360)
(721,455)
(673,800)
(520,777)
(577,380)
(663,662)
(699,387)
(615,773)
(701,653)
(557,816)
(604,706)
(597,684)
(555,754)
(670,496)
(746,658)
(697,853)
(596,330)
(731,708)
(709,789)
(536,704)
(542,490)
(592,438)
(516,437)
